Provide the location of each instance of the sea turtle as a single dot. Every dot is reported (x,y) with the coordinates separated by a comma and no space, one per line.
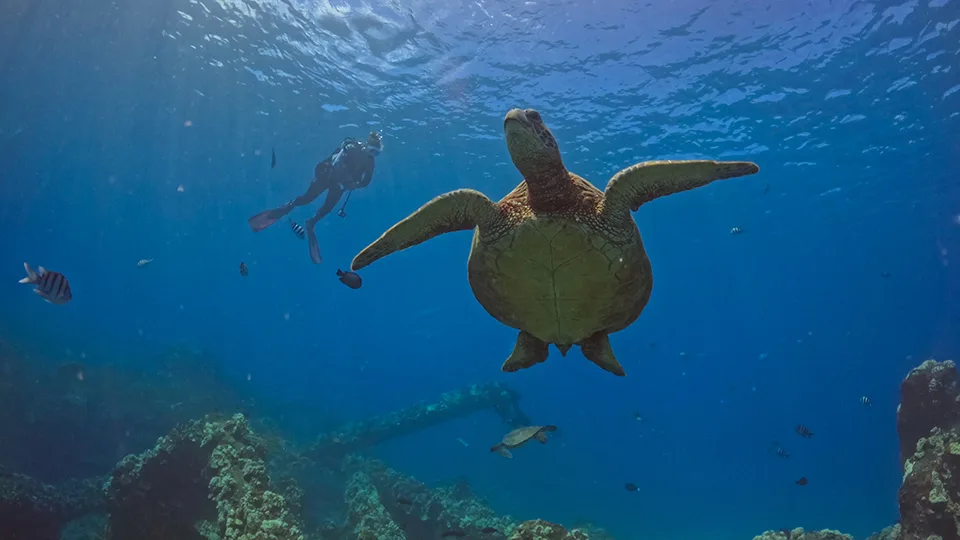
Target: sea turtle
(556,258)
(520,436)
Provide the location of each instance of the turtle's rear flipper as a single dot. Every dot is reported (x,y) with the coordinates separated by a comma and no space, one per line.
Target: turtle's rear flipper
(502,450)
(596,349)
(459,210)
(527,352)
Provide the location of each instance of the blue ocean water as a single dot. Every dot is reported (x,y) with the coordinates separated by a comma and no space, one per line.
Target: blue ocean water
(133,130)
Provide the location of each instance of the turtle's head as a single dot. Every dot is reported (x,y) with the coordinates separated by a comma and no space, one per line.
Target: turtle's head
(532,147)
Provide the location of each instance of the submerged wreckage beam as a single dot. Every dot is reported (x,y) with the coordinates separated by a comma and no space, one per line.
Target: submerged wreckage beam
(359,435)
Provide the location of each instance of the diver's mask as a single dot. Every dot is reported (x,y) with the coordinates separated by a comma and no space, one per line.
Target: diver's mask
(374,144)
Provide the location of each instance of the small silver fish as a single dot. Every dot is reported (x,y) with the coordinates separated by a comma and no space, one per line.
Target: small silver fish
(736,230)
(297,230)
(51,286)
(143,262)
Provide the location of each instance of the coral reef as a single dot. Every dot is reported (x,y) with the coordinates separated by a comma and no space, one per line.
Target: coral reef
(202,472)
(208,479)
(385,504)
(32,510)
(356,436)
(928,399)
(927,423)
(890,533)
(800,534)
(539,529)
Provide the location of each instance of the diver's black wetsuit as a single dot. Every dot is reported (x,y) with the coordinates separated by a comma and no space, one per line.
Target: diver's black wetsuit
(349,167)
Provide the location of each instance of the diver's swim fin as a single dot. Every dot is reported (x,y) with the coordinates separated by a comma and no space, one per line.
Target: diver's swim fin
(314,246)
(263,220)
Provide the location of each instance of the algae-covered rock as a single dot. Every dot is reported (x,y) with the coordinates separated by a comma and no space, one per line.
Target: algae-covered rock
(930,493)
(203,473)
(889,533)
(800,534)
(386,504)
(928,399)
(539,529)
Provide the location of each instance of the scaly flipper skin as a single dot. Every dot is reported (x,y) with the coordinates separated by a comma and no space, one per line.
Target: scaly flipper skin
(527,351)
(644,182)
(597,349)
(460,210)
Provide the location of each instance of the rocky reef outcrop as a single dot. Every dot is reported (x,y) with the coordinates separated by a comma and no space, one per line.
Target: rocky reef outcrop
(928,399)
(890,533)
(800,534)
(928,423)
(205,479)
(385,504)
(539,529)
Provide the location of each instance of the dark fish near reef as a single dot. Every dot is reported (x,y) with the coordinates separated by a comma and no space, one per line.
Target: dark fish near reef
(453,533)
(630,486)
(273,158)
(489,530)
(350,279)
(51,286)
(404,501)
(243,269)
(802,481)
(803,431)
(298,230)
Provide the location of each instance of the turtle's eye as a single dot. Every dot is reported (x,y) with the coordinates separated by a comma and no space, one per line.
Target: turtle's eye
(533,115)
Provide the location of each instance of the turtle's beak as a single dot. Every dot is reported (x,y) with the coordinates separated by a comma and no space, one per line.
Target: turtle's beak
(515,115)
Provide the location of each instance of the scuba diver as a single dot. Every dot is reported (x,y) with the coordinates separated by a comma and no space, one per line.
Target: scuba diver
(349,167)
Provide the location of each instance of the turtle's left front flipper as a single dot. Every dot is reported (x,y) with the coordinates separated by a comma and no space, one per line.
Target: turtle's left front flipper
(459,210)
(644,182)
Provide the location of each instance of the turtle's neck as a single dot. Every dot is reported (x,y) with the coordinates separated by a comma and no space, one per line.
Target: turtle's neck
(550,188)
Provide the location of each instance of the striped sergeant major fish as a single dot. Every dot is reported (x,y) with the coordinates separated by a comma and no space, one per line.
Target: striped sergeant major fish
(297,229)
(51,286)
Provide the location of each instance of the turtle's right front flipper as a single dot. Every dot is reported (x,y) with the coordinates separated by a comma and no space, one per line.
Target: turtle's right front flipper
(460,210)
